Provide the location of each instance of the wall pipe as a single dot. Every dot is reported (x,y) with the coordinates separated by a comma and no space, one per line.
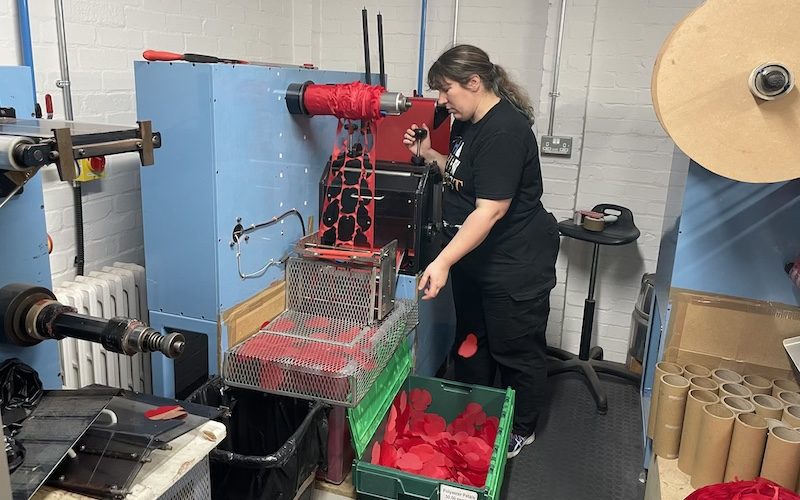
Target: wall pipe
(64,85)
(556,66)
(24,22)
(455,22)
(423,20)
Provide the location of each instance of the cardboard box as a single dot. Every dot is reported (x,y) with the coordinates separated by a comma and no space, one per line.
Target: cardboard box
(730,332)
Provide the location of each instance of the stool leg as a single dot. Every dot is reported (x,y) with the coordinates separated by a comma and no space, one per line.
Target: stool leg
(588,309)
(599,395)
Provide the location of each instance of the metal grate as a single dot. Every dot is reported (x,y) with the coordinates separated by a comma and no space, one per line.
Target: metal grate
(316,357)
(194,485)
(318,288)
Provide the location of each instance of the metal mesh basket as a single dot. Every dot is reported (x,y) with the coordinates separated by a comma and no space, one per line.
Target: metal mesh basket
(332,359)
(194,485)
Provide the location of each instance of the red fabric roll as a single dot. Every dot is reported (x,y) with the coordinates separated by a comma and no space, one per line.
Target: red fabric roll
(354,101)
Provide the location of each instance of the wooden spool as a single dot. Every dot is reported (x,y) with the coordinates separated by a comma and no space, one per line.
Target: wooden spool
(702,93)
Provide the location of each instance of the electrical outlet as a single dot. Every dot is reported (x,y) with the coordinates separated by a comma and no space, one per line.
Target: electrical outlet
(556,145)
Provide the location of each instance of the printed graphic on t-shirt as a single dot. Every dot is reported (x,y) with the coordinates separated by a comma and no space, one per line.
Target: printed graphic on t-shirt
(453,162)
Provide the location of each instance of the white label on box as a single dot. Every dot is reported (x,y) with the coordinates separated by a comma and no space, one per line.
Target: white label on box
(450,493)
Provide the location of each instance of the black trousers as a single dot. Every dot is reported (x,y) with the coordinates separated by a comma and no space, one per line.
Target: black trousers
(511,338)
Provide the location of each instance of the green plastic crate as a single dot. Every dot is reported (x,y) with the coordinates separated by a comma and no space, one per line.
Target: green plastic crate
(368,420)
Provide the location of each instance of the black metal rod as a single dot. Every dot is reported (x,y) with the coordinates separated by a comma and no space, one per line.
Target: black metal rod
(593,273)
(380,51)
(365,28)
(80,326)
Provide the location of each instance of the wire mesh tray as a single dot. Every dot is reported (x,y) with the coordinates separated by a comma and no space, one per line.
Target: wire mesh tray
(316,357)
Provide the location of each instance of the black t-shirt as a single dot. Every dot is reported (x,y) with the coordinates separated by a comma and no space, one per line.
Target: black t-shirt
(497,159)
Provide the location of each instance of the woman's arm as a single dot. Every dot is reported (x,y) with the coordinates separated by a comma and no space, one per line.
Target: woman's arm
(475,229)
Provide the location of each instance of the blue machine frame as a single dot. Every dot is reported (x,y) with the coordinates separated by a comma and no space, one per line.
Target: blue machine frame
(23,245)
(724,237)
(231,154)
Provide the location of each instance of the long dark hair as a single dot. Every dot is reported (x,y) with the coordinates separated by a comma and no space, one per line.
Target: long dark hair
(462,61)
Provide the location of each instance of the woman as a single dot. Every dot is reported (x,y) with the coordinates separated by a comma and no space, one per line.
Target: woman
(503,243)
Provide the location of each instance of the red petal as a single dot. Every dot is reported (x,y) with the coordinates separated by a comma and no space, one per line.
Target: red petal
(434,425)
(376,453)
(403,401)
(409,462)
(469,346)
(388,455)
(390,424)
(473,408)
(318,322)
(390,436)
(425,452)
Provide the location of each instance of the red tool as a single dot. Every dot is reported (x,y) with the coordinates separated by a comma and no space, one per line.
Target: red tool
(162,55)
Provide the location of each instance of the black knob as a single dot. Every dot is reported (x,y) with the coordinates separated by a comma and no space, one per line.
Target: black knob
(774,81)
(420,133)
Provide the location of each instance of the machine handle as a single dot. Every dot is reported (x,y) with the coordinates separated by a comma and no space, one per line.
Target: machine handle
(162,55)
(376,198)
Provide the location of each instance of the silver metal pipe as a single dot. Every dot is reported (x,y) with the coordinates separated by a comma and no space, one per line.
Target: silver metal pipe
(63,83)
(455,21)
(556,66)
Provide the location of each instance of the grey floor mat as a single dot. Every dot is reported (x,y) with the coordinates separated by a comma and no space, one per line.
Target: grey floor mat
(579,454)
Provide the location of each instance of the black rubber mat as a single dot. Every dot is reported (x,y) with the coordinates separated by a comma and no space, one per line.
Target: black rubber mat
(579,454)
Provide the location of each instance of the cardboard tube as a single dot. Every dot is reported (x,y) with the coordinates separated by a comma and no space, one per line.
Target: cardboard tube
(697,400)
(757,384)
(772,423)
(669,421)
(782,457)
(703,383)
(731,389)
(791,415)
(789,398)
(747,447)
(782,384)
(738,405)
(662,368)
(767,406)
(723,376)
(713,443)
(692,370)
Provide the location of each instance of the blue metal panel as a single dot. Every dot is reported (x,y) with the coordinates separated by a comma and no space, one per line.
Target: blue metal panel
(269,161)
(178,191)
(436,329)
(735,237)
(23,244)
(163,367)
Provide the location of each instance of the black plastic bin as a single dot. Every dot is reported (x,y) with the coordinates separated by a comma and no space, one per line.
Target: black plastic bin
(273,443)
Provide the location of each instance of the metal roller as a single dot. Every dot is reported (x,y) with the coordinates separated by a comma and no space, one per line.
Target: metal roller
(11,152)
(31,314)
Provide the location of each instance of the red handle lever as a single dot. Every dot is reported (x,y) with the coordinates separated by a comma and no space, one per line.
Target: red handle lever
(161,55)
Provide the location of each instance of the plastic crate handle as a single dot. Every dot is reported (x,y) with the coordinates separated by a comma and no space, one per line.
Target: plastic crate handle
(457,388)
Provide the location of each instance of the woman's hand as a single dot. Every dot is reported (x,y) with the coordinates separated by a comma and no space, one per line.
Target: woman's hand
(411,142)
(434,279)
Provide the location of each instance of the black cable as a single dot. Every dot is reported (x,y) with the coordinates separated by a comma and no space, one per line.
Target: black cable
(77,197)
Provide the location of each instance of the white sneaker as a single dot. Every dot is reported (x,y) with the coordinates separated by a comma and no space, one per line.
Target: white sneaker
(516,442)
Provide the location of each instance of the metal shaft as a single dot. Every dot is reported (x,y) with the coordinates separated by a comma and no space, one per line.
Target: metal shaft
(381,60)
(365,28)
(64,83)
(556,68)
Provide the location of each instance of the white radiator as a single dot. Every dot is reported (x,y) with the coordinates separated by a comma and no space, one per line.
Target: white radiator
(118,290)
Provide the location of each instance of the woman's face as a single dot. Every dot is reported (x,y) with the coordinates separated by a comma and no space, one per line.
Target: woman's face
(460,100)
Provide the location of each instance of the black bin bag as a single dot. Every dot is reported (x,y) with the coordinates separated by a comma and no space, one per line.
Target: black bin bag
(273,443)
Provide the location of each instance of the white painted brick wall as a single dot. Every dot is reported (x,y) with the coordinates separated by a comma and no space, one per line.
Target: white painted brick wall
(609,48)
(624,157)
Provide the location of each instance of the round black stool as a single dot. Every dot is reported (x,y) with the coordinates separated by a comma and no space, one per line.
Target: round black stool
(589,360)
